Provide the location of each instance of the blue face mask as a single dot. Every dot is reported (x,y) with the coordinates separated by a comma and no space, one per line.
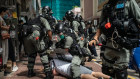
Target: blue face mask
(62,36)
(5,16)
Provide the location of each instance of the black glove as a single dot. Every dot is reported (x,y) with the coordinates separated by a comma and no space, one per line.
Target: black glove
(50,43)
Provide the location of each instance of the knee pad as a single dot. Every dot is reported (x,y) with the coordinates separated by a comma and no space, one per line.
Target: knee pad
(43,54)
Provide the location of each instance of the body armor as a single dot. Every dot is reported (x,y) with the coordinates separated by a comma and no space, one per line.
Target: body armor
(122,27)
(51,21)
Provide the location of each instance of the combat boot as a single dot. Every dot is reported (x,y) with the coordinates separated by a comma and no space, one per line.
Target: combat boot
(49,75)
(31,73)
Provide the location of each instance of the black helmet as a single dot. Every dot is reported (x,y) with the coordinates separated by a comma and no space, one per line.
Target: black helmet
(69,15)
(113,2)
(59,27)
(89,22)
(78,17)
(46,10)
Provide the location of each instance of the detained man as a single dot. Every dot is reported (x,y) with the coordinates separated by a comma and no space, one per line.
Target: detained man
(63,68)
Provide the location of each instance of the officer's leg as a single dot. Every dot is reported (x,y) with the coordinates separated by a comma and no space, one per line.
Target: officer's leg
(75,67)
(31,62)
(121,74)
(108,71)
(30,50)
(45,62)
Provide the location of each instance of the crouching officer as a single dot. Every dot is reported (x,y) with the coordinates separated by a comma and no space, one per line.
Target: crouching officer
(68,42)
(119,23)
(35,33)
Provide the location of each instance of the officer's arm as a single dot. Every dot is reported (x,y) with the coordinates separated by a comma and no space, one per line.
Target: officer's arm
(68,43)
(97,35)
(83,25)
(56,21)
(75,26)
(47,25)
(135,10)
(50,34)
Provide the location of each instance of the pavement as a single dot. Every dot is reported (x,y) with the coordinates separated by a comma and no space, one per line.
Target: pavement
(22,71)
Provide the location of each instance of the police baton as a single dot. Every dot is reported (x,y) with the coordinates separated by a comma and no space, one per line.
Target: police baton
(108,47)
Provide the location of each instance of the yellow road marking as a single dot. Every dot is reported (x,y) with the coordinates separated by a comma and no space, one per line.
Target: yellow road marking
(131,77)
(94,59)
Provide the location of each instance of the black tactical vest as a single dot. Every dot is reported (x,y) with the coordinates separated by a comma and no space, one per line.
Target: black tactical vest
(123,23)
(52,22)
(80,28)
(28,28)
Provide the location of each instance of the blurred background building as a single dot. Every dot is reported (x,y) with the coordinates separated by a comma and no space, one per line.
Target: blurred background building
(28,9)
(59,7)
(91,9)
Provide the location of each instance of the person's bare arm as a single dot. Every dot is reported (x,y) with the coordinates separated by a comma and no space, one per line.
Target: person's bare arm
(55,73)
(87,76)
(99,74)
(50,34)
(4,27)
(66,49)
(96,37)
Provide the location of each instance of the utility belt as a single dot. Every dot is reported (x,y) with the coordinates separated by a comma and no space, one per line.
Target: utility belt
(127,43)
(42,31)
(29,29)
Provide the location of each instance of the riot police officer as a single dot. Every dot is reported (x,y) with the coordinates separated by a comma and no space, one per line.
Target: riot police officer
(69,43)
(82,32)
(34,34)
(72,22)
(47,11)
(119,23)
(81,27)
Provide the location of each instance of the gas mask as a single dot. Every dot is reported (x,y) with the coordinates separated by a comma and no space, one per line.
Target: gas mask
(62,37)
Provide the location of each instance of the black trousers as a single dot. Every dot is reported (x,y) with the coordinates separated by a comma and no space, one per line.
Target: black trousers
(12,54)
